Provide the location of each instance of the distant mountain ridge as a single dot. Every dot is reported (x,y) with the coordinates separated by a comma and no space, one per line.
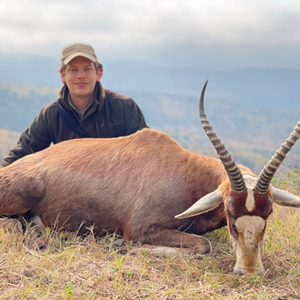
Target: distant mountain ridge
(251,133)
(262,87)
(252,110)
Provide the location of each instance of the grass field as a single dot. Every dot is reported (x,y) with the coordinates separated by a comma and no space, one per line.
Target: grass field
(64,266)
(52,265)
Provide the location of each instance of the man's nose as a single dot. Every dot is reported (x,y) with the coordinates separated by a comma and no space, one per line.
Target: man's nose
(81,74)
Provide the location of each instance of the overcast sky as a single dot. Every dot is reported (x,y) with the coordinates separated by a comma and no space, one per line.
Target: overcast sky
(226,34)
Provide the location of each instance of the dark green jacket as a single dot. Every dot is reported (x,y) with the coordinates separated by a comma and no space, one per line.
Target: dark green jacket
(110,115)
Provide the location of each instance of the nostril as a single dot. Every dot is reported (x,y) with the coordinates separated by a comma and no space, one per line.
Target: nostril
(260,272)
(241,272)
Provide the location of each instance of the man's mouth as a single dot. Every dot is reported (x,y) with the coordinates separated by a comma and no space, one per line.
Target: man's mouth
(80,84)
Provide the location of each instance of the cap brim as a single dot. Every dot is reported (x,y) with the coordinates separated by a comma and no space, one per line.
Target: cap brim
(73,55)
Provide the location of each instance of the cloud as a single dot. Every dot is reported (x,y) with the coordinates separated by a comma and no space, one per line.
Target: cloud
(152,29)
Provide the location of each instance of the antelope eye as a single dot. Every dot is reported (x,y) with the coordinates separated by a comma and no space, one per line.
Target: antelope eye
(234,227)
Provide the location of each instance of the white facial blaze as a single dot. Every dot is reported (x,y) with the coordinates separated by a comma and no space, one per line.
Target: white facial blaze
(250,204)
(248,245)
(250,182)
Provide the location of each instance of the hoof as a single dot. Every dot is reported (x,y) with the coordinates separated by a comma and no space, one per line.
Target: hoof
(206,248)
(11,225)
(119,243)
(202,247)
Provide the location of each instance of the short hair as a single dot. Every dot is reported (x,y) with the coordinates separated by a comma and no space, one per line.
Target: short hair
(98,66)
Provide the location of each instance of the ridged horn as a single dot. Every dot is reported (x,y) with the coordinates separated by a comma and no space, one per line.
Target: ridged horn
(267,173)
(235,176)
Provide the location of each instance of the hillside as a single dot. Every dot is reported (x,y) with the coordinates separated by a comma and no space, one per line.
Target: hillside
(8,139)
(251,133)
(277,87)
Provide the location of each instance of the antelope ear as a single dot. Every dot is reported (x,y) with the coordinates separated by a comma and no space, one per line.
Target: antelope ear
(285,198)
(203,205)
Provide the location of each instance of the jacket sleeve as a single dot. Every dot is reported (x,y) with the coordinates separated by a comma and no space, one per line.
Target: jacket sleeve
(134,118)
(35,138)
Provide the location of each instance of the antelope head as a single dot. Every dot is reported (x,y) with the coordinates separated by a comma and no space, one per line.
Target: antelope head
(248,200)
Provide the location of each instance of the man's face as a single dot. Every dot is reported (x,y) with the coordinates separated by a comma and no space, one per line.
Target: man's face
(80,76)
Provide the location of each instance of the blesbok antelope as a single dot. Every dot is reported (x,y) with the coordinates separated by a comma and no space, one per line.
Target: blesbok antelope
(136,185)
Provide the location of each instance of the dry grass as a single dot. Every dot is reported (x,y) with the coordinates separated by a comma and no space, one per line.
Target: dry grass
(64,266)
(53,265)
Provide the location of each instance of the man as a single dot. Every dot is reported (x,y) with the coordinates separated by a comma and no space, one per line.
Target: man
(84,108)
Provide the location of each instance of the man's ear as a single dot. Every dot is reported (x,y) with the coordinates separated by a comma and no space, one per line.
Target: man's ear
(99,74)
(62,76)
